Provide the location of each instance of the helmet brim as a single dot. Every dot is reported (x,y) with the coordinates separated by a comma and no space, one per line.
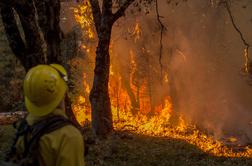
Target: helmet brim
(46,109)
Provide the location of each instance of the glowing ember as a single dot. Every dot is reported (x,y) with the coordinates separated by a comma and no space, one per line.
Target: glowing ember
(142,119)
(246,60)
(135,32)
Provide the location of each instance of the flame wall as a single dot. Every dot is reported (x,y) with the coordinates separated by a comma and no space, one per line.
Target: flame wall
(202,60)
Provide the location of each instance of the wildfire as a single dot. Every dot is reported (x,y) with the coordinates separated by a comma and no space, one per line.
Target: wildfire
(166,78)
(136,32)
(142,119)
(83,15)
(246,60)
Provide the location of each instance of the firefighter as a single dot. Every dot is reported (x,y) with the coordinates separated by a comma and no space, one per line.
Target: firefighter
(51,139)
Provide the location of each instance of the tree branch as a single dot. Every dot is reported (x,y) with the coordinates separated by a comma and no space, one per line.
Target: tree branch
(96,14)
(162,29)
(234,25)
(247,45)
(121,11)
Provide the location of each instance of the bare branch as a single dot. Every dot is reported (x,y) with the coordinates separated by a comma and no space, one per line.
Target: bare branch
(121,11)
(162,29)
(234,25)
(96,14)
(247,45)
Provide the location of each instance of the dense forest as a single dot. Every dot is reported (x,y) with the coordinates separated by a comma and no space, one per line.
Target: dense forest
(151,82)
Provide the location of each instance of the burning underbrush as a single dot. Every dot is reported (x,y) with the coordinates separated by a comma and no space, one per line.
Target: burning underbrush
(159,126)
(140,95)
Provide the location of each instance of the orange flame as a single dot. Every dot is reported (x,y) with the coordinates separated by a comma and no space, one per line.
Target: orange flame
(246,60)
(136,32)
(83,15)
(140,121)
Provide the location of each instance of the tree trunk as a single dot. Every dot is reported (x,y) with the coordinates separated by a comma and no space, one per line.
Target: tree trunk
(99,95)
(135,105)
(31,51)
(16,43)
(49,19)
(42,34)
(104,19)
(34,40)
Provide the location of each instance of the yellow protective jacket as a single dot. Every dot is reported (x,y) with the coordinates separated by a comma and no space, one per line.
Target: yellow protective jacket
(62,147)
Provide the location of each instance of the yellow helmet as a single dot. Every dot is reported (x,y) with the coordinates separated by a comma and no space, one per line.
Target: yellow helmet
(44,88)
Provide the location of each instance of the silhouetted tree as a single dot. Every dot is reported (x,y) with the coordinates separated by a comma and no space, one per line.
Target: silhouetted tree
(42,34)
(104,19)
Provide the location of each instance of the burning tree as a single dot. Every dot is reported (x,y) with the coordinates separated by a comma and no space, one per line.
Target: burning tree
(104,18)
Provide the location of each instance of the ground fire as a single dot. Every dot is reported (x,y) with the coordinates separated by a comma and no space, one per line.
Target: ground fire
(133,106)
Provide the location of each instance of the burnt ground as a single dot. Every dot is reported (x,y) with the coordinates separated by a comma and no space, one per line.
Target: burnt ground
(128,149)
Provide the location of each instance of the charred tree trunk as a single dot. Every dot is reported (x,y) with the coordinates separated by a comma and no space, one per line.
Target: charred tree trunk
(99,96)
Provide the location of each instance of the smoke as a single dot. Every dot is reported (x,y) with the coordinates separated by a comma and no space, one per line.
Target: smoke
(203,54)
(207,63)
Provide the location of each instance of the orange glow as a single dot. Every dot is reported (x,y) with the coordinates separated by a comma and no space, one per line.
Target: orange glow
(136,32)
(83,16)
(142,119)
(246,60)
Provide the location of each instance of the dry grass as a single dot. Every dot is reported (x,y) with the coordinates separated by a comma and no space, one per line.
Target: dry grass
(124,148)
(128,149)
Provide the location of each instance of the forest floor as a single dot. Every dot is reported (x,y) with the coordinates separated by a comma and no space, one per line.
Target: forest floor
(129,149)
